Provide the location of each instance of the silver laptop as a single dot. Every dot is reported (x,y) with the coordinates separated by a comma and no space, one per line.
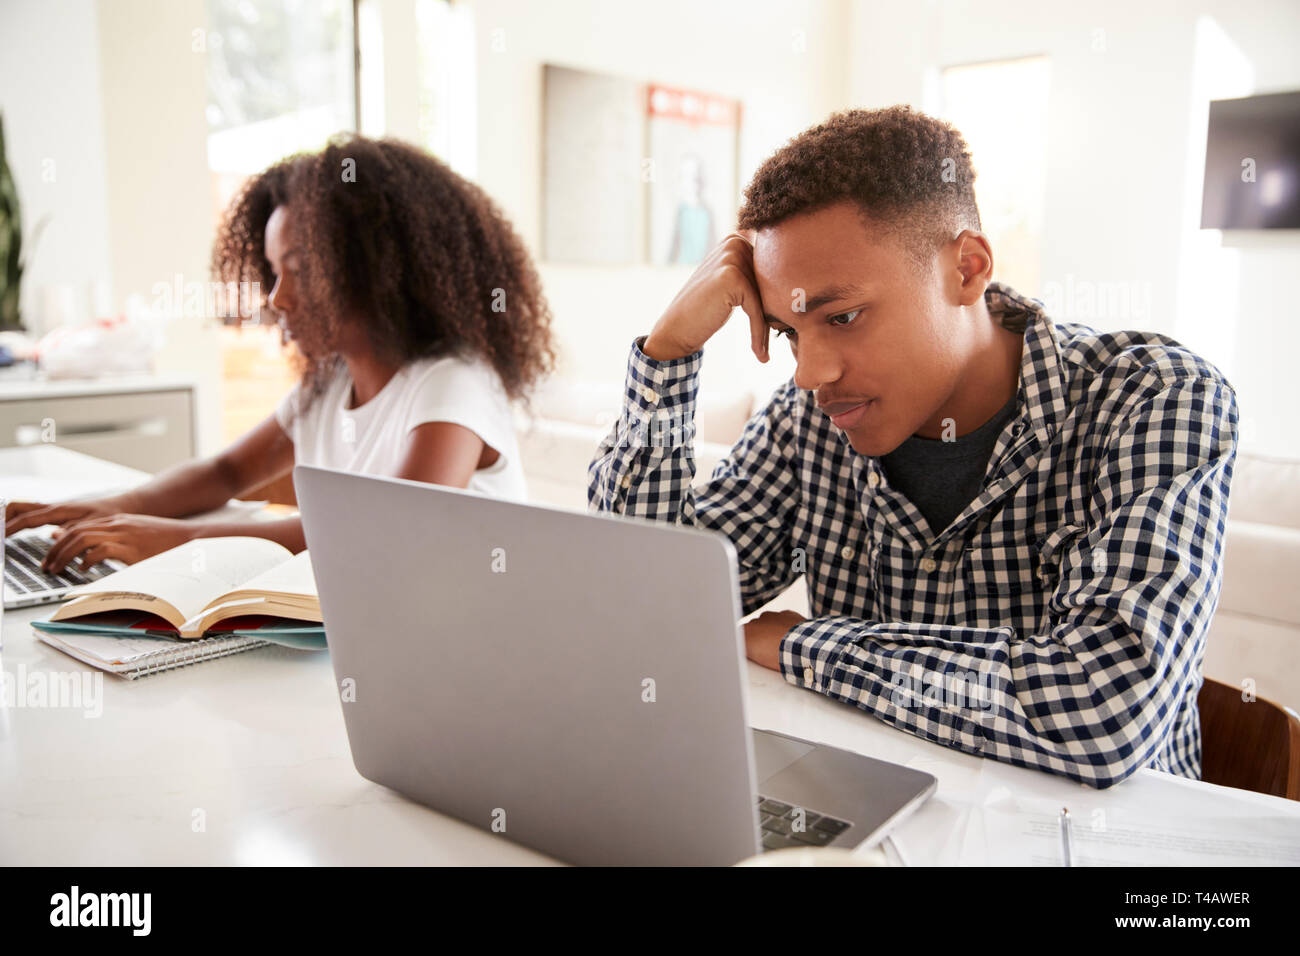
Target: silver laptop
(574,682)
(50,473)
(25,583)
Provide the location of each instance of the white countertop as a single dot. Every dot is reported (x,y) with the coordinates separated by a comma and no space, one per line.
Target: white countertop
(21,384)
(49,472)
(254,746)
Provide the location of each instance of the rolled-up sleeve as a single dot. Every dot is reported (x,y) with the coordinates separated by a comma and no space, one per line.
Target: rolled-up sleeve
(645,466)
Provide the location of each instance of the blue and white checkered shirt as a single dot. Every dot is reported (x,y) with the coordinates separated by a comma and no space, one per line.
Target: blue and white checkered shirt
(1058,622)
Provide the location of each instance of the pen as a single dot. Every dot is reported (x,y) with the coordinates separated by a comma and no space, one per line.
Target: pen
(1067,835)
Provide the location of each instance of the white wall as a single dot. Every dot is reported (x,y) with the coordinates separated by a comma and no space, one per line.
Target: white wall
(112,95)
(54,130)
(787,61)
(1125,156)
(153,90)
(112,92)
(395,46)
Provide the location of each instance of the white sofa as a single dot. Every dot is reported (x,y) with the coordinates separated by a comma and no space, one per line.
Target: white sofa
(569,421)
(1254,636)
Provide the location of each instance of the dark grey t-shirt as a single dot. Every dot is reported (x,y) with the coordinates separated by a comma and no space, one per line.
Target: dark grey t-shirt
(943,477)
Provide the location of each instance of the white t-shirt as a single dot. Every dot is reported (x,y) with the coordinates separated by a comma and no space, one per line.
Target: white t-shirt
(371,439)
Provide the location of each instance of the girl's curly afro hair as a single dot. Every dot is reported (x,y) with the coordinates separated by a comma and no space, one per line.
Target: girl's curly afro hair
(389,237)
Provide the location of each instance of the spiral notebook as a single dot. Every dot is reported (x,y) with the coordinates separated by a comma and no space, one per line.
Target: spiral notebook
(133,657)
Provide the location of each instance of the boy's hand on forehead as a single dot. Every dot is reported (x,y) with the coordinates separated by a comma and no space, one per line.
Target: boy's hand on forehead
(723,281)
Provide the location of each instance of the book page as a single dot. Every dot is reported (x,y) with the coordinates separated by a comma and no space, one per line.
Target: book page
(287,589)
(292,577)
(187,577)
(282,606)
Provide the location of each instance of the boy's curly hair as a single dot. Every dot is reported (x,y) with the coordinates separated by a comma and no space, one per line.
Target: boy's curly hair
(908,172)
(389,236)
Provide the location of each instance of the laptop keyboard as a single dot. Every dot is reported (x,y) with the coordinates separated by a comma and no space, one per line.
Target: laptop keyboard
(23,574)
(783,825)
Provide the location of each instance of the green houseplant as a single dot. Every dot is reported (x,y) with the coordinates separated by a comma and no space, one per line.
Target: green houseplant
(11,243)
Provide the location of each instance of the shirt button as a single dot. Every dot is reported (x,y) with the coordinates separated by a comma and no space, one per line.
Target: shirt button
(873,480)
(928,565)
(649,394)
(627,481)
(846,552)
(807,675)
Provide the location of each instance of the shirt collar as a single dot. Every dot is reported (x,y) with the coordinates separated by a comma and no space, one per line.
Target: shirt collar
(1043,385)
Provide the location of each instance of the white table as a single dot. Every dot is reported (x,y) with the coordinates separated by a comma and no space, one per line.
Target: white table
(253,747)
(244,760)
(49,472)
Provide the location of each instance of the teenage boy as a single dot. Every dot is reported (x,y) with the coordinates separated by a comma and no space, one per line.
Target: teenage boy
(1011,528)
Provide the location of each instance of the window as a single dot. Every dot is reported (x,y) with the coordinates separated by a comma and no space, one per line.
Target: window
(1001,109)
(446,42)
(281,78)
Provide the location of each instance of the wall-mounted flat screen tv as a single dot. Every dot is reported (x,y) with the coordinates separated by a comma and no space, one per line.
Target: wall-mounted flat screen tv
(1252,163)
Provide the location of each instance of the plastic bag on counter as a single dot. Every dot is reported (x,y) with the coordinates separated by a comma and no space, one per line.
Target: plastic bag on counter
(119,346)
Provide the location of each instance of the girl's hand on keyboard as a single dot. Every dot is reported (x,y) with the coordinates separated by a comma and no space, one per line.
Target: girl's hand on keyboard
(127,537)
(20,515)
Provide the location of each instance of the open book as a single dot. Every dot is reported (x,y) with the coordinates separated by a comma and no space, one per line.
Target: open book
(204,582)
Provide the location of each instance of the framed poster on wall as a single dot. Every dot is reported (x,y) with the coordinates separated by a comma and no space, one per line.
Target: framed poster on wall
(633,172)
